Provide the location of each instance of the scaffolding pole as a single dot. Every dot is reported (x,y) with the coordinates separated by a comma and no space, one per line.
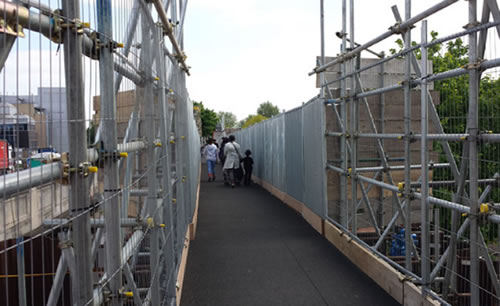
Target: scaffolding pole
(344,212)
(110,169)
(424,159)
(79,196)
(407,133)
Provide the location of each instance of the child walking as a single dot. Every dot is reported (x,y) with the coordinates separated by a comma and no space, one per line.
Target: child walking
(248,166)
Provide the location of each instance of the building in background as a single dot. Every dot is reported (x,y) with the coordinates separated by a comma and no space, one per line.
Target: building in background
(49,112)
(16,128)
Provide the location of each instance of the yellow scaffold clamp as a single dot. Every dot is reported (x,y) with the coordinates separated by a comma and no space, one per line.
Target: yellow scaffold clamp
(128,294)
(401,186)
(76,25)
(484,208)
(150,222)
(174,200)
(123,154)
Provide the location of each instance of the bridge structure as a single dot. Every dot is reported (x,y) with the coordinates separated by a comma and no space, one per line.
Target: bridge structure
(399,173)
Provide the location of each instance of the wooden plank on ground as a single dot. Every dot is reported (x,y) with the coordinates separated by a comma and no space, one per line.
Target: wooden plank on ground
(182,267)
(313,219)
(293,203)
(194,222)
(378,270)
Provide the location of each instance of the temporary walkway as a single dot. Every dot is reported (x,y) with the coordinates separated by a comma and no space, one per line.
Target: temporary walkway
(250,249)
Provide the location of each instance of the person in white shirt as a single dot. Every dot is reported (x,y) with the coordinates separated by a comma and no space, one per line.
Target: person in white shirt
(210,153)
(232,163)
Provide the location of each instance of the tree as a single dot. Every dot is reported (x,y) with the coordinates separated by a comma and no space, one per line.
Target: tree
(253,119)
(267,109)
(230,120)
(208,119)
(453,110)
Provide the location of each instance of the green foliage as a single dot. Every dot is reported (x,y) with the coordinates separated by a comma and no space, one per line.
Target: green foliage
(91,131)
(208,119)
(267,109)
(230,120)
(453,112)
(253,119)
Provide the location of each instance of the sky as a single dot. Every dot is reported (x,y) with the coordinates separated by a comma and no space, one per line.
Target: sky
(243,53)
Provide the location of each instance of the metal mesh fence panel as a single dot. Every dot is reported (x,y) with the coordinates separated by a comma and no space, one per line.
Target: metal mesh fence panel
(100,152)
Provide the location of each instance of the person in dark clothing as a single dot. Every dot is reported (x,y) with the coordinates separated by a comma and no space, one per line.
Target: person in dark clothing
(222,158)
(248,166)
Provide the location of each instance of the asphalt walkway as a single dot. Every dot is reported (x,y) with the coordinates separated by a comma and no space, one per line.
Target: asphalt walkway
(251,249)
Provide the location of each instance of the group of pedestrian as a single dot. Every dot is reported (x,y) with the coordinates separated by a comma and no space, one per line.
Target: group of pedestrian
(231,160)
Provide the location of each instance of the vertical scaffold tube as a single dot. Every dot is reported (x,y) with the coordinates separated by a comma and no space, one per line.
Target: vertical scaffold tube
(424,209)
(110,169)
(322,29)
(81,282)
(407,128)
(150,128)
(344,215)
(473,162)
(353,124)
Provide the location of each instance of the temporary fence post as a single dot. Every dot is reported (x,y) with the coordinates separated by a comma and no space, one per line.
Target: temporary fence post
(21,276)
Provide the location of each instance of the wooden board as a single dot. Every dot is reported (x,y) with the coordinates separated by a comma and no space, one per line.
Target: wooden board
(313,219)
(190,235)
(182,267)
(293,203)
(194,222)
(382,273)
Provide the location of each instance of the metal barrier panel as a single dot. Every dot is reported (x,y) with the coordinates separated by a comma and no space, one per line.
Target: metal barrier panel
(314,161)
(290,153)
(278,139)
(294,154)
